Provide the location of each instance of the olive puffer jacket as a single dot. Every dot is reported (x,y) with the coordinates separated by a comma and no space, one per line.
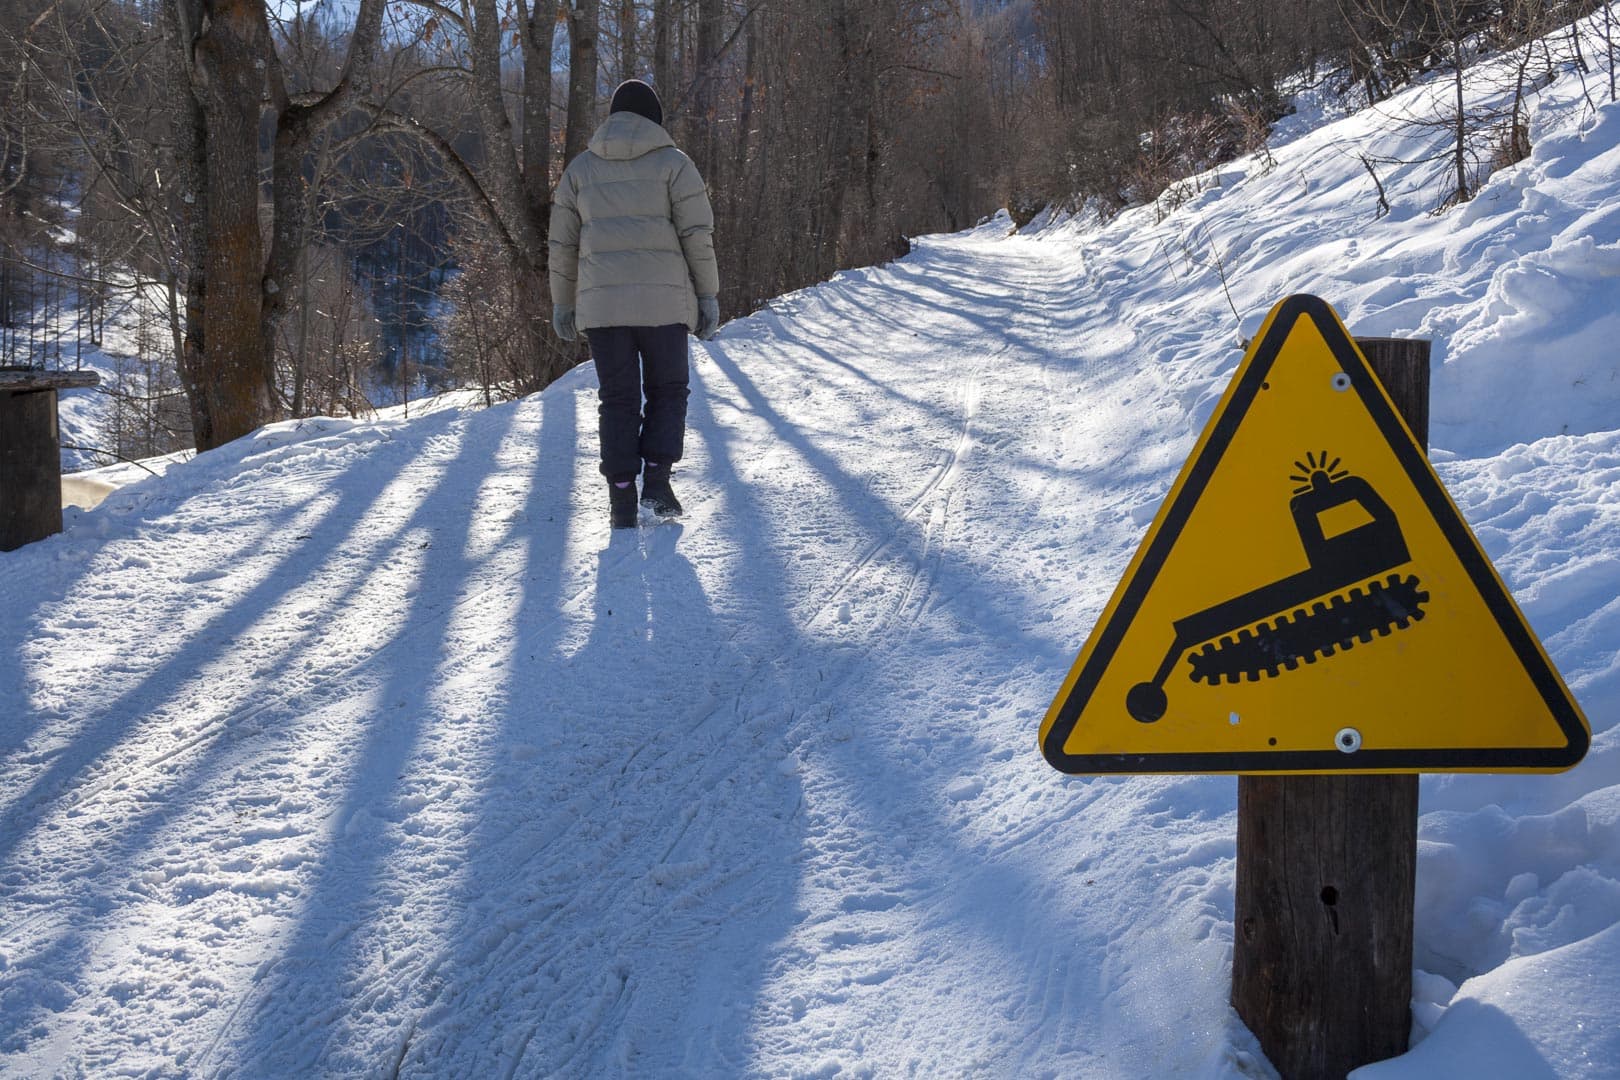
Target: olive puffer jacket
(632,232)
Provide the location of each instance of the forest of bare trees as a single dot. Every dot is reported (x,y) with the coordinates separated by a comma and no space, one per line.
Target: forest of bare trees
(316,207)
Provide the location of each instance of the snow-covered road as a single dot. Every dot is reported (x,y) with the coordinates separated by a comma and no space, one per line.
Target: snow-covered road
(368,748)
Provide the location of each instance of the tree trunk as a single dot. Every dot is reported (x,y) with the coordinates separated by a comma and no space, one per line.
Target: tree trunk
(502,179)
(582,20)
(702,118)
(745,115)
(663,58)
(538,47)
(840,145)
(190,207)
(229,65)
(1608,45)
(294,196)
(529,283)
(627,39)
(1460,152)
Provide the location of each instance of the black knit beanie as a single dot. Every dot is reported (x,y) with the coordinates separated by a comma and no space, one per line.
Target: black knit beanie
(635,96)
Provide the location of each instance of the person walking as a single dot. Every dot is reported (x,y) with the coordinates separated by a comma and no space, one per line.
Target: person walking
(632,266)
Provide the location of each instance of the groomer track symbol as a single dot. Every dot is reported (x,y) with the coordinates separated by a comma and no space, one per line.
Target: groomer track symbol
(1346,594)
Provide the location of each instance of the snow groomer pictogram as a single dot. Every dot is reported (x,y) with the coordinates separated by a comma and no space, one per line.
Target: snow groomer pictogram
(1351,590)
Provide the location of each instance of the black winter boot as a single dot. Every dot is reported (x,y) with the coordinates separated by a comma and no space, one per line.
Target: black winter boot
(656,494)
(622,504)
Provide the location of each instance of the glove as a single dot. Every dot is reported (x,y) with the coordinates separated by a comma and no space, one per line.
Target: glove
(562,321)
(708,317)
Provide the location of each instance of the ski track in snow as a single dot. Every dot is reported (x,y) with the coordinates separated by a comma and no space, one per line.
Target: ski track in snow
(367,749)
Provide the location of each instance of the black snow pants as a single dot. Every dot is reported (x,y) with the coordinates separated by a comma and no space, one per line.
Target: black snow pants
(631,361)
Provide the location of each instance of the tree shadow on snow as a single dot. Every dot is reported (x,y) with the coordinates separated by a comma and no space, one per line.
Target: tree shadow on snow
(182,775)
(344,986)
(866,753)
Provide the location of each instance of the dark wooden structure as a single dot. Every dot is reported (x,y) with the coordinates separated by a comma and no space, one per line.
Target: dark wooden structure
(1326,873)
(30,457)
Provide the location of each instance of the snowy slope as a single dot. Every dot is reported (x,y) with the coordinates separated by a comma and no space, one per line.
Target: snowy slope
(361,749)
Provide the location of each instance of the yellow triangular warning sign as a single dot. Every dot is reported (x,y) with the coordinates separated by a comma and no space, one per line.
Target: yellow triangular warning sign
(1309,599)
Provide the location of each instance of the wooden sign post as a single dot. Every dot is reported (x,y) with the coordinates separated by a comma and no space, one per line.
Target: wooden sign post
(1326,873)
(30,454)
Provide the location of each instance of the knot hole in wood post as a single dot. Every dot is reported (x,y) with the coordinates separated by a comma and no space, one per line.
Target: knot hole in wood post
(1330,900)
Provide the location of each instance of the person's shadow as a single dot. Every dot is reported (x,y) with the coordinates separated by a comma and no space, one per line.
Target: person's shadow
(682,885)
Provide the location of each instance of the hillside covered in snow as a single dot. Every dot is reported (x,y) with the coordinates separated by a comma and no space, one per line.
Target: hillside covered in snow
(365,748)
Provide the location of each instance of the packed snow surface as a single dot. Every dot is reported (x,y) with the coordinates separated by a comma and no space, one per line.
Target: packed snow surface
(365,748)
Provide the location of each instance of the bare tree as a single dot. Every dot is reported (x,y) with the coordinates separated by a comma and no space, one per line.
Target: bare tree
(226,44)
(582,26)
(663,58)
(626,24)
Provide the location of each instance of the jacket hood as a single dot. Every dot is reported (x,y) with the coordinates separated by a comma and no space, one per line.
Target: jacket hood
(627,135)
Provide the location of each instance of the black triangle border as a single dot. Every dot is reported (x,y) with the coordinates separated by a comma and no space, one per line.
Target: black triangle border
(1415,462)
